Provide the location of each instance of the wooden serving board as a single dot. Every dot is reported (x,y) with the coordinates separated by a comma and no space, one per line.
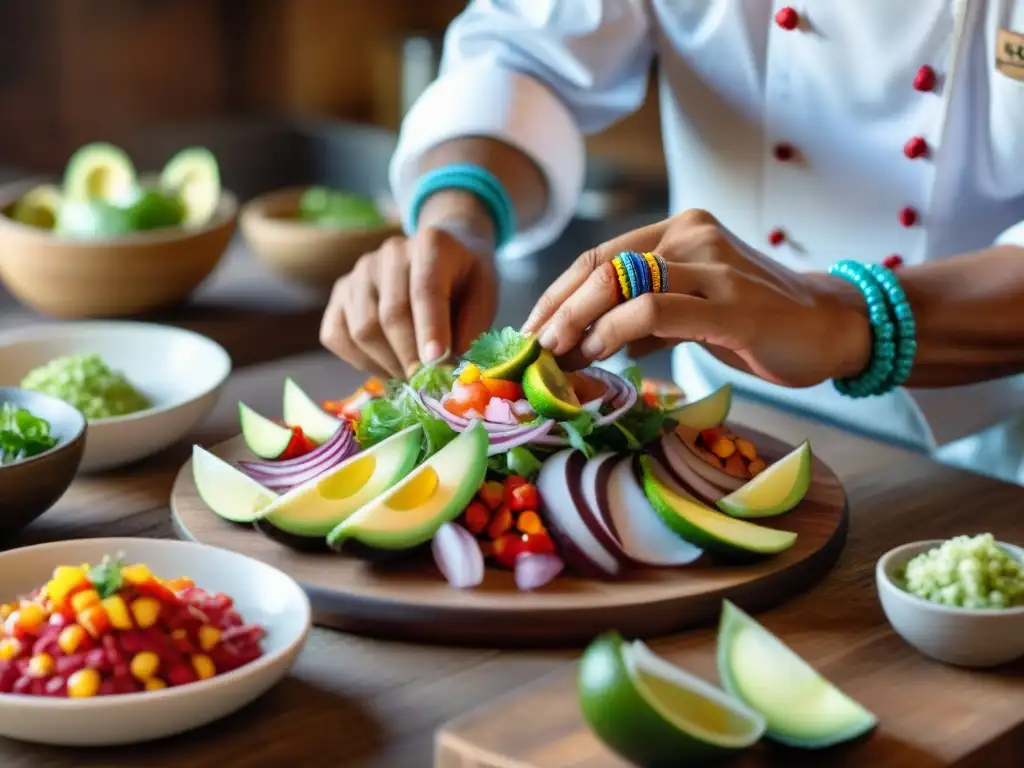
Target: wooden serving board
(408,599)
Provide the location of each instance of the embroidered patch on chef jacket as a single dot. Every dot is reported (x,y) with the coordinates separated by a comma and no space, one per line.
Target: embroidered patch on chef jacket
(1010,54)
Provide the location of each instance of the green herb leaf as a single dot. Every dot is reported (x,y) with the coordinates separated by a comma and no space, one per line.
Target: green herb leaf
(381,418)
(495,347)
(106,577)
(435,379)
(521,461)
(634,376)
(22,435)
(578,430)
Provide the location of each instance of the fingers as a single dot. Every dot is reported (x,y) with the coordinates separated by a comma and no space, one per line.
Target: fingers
(644,239)
(334,332)
(393,306)
(362,315)
(432,279)
(664,315)
(478,304)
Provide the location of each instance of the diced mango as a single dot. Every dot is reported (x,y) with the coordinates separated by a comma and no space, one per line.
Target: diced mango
(146,611)
(10,649)
(71,638)
(41,665)
(155,684)
(82,600)
(117,612)
(83,684)
(746,449)
(136,574)
(144,665)
(209,637)
(469,374)
(203,666)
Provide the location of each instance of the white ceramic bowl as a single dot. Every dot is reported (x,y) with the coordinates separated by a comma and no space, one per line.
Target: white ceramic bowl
(262,594)
(181,372)
(964,637)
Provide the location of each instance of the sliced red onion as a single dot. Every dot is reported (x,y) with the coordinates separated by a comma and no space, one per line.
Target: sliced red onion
(459,423)
(686,449)
(342,442)
(594,406)
(500,411)
(457,555)
(535,569)
(503,442)
(621,395)
(523,408)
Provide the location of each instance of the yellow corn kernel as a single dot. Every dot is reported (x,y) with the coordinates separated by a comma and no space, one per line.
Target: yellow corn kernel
(144,665)
(136,574)
(82,600)
(83,684)
(146,611)
(155,684)
(469,374)
(10,649)
(41,665)
(203,666)
(71,638)
(208,637)
(117,612)
(31,616)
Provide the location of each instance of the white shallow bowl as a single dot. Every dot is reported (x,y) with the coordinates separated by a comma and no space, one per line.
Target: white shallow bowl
(963,637)
(262,594)
(181,372)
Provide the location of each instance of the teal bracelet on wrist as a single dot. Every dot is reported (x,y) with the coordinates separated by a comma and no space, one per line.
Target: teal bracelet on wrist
(473,179)
(877,378)
(903,317)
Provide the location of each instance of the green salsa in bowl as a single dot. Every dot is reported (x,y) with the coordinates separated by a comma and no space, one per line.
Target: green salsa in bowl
(89,384)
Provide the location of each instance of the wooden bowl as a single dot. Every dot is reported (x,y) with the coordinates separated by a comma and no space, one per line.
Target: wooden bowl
(108,277)
(314,255)
(31,486)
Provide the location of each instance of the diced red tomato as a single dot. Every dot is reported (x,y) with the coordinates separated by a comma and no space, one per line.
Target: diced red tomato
(468,397)
(477,516)
(511,483)
(523,497)
(537,543)
(506,548)
(506,390)
(299,445)
(491,494)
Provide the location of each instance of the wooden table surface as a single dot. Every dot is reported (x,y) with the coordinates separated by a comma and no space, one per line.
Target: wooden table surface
(352,701)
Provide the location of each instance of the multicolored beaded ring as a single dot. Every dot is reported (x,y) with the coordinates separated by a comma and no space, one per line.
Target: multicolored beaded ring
(640,273)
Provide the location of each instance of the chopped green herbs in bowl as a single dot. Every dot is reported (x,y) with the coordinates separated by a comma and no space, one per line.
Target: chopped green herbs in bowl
(89,384)
(42,441)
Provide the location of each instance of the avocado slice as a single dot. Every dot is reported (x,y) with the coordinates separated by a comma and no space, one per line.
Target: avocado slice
(193,176)
(513,368)
(265,438)
(92,218)
(705,527)
(547,389)
(99,171)
(433,494)
(315,508)
(229,493)
(39,207)
(300,410)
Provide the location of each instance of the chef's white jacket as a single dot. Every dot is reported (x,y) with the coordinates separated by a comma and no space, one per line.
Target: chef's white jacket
(823,130)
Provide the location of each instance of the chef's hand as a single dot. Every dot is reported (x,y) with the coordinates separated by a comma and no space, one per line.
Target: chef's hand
(752,313)
(415,299)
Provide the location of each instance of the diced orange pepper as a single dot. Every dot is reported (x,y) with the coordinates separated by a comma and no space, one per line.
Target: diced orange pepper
(746,449)
(375,387)
(477,517)
(31,617)
(180,584)
(94,620)
(735,465)
(529,522)
(117,612)
(722,447)
(756,467)
(500,523)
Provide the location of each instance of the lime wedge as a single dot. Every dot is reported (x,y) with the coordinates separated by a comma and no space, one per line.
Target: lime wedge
(548,391)
(801,708)
(776,490)
(653,713)
(513,368)
(39,207)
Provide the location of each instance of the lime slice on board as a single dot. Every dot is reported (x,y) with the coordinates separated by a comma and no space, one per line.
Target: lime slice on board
(654,713)
(547,389)
(801,708)
(776,490)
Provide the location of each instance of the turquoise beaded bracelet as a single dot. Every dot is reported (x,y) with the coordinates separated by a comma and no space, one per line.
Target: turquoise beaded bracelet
(903,316)
(877,378)
(475,180)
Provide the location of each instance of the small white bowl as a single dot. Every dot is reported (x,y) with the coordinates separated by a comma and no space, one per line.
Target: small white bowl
(181,372)
(964,637)
(262,594)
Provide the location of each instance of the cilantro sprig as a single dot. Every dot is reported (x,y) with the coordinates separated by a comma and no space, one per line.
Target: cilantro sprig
(495,347)
(106,577)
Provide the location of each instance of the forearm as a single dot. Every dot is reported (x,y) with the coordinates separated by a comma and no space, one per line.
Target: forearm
(457,209)
(969,312)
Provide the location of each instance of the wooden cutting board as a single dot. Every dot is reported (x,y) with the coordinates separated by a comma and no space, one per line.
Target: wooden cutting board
(409,600)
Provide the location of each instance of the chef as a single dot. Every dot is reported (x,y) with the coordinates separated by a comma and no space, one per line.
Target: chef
(842,143)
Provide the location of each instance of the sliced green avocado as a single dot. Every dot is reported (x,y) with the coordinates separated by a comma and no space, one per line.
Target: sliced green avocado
(229,493)
(513,368)
(39,207)
(802,708)
(548,390)
(92,218)
(300,410)
(707,528)
(315,508)
(100,171)
(265,438)
(193,176)
(434,493)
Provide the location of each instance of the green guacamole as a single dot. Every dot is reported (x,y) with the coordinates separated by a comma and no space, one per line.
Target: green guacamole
(967,572)
(87,383)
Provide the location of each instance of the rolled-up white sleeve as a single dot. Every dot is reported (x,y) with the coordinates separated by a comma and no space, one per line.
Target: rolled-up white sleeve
(1012,236)
(538,75)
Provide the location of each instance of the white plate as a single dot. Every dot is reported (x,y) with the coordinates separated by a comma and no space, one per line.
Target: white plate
(262,594)
(181,372)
